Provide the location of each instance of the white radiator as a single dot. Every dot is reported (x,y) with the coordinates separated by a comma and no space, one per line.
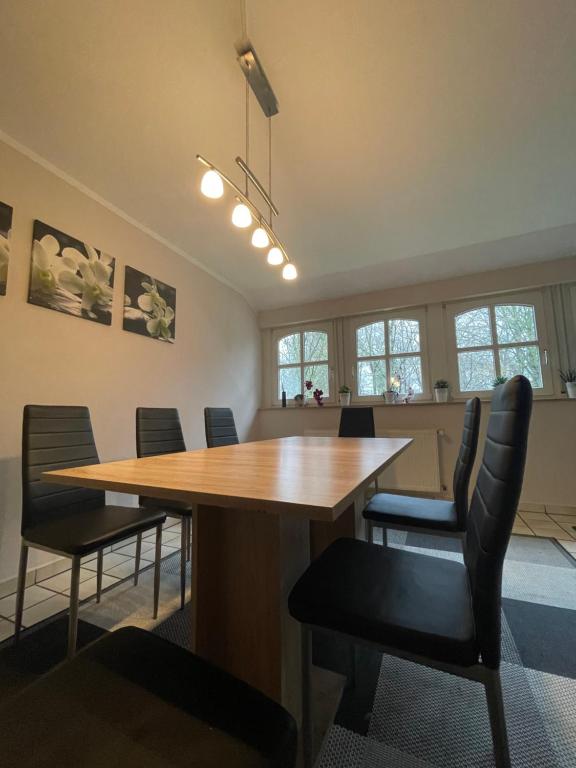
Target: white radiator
(417,469)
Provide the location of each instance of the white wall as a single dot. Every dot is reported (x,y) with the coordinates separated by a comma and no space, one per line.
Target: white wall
(48,357)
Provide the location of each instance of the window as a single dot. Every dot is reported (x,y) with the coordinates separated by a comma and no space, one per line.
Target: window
(500,338)
(301,356)
(387,349)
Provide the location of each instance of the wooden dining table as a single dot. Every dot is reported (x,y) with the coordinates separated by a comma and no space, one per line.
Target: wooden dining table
(261,511)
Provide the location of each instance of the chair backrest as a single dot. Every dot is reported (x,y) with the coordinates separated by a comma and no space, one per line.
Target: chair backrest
(55,437)
(466,458)
(158,431)
(357,422)
(220,427)
(493,508)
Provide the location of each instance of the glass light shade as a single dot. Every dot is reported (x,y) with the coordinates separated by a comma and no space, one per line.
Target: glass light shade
(289,272)
(241,216)
(211,185)
(260,238)
(275,256)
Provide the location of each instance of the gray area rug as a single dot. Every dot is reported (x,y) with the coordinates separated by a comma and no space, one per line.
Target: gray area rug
(422,718)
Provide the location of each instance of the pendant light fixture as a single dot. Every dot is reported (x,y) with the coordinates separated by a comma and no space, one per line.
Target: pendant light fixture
(245,213)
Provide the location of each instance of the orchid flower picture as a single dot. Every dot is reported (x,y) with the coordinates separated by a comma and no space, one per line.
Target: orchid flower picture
(5,229)
(149,306)
(70,276)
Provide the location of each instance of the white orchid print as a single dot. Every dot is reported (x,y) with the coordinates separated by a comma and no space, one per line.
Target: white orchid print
(5,232)
(71,276)
(152,312)
(4,257)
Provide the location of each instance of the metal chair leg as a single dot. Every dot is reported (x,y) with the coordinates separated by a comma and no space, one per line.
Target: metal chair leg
(306,658)
(157,568)
(188,539)
(497,719)
(370,531)
(20,590)
(100,568)
(74,599)
(351,679)
(137,560)
(184,539)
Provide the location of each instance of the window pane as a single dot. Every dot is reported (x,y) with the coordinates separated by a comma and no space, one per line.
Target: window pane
(289,379)
(515,322)
(408,370)
(370,340)
(403,336)
(524,360)
(289,349)
(476,370)
(371,377)
(473,328)
(315,346)
(318,375)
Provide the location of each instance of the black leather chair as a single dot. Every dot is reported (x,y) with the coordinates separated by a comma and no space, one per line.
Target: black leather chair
(67,520)
(437,516)
(135,700)
(436,612)
(158,431)
(357,422)
(220,427)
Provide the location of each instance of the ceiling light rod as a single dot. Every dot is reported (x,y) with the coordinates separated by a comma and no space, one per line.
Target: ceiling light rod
(250,174)
(257,214)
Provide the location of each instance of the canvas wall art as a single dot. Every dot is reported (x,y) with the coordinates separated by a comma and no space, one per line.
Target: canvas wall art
(70,276)
(5,229)
(149,306)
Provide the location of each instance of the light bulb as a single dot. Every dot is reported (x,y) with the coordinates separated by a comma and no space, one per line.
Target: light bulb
(289,272)
(260,238)
(275,256)
(211,185)
(241,216)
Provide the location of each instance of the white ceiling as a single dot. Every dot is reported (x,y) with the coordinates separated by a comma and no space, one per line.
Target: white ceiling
(416,139)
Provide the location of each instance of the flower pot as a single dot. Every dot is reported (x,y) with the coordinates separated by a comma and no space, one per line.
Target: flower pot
(390,397)
(571,389)
(344,398)
(441,394)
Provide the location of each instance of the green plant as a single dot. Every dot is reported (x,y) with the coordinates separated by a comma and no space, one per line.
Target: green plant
(499,380)
(298,398)
(568,376)
(344,389)
(441,384)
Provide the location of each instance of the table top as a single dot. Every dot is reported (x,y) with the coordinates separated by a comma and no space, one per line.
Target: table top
(312,477)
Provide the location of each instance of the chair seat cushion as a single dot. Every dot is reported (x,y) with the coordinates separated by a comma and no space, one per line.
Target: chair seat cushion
(85,532)
(412,511)
(135,700)
(403,600)
(170,506)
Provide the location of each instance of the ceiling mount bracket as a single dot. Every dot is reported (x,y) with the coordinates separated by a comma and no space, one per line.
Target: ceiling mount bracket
(257,80)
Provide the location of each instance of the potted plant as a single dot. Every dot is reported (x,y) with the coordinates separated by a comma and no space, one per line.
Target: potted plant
(499,380)
(569,380)
(441,390)
(390,395)
(299,400)
(344,395)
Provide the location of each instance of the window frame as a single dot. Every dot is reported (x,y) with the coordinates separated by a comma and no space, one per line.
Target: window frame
(533,299)
(280,333)
(351,358)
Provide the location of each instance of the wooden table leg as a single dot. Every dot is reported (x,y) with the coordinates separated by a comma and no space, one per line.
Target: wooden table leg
(245,564)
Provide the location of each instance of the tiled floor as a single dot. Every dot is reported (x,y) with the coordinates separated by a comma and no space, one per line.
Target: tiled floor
(549,525)
(50,596)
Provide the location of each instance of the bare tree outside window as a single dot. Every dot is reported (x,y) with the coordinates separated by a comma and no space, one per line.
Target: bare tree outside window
(385,349)
(500,340)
